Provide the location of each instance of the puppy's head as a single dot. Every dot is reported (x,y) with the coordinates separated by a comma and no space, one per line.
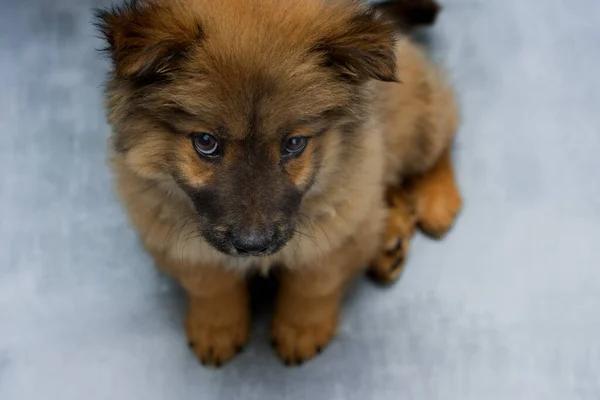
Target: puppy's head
(233,101)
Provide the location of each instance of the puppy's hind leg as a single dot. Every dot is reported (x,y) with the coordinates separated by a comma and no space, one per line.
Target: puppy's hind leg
(437,198)
(431,201)
(388,265)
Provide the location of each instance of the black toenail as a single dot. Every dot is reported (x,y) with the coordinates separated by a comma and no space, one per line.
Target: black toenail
(319,349)
(396,248)
(191,345)
(397,264)
(374,275)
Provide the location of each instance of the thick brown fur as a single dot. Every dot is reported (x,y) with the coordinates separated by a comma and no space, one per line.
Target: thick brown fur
(255,72)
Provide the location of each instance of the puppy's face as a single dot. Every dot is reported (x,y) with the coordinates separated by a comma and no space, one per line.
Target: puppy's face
(234,101)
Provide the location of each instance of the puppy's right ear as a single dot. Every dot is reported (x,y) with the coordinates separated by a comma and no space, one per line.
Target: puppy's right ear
(146,38)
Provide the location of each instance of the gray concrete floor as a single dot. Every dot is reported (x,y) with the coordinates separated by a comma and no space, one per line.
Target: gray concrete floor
(506,308)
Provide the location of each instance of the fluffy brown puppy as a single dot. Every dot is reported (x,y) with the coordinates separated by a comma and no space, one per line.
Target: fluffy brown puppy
(250,134)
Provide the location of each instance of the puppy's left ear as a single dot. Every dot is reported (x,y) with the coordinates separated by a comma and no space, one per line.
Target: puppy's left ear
(363,48)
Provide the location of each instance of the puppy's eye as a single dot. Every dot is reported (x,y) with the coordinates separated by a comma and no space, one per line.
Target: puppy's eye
(206,145)
(294,146)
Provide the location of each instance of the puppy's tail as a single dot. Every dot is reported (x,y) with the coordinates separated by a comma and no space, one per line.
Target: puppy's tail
(410,14)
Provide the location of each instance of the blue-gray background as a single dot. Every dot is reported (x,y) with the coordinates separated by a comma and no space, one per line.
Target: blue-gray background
(507,307)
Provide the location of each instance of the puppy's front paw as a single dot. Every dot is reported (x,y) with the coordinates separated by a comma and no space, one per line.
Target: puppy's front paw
(296,342)
(214,343)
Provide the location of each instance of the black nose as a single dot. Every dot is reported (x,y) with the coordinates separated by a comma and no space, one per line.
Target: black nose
(251,243)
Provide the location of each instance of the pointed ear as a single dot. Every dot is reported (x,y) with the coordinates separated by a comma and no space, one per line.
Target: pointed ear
(363,48)
(145,38)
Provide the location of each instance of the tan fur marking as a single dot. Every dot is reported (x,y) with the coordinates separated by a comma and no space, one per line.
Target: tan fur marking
(195,171)
(300,169)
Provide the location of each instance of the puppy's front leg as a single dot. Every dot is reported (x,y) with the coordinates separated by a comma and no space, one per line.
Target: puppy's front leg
(306,314)
(218,320)
(307,308)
